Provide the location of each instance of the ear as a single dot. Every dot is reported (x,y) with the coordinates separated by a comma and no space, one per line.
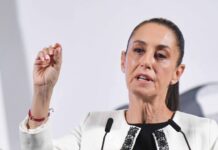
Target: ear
(177,74)
(123,61)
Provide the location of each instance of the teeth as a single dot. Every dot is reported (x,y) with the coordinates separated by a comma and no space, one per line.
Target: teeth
(142,77)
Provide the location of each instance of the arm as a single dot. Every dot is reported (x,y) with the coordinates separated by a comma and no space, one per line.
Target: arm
(40,138)
(45,75)
(35,134)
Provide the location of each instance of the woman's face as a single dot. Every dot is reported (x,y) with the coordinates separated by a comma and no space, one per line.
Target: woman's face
(150,64)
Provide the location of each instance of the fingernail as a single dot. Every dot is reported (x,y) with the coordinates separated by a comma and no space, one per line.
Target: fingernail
(47,57)
(55,45)
(50,52)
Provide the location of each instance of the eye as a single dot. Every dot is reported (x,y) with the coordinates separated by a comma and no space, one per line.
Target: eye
(160,56)
(139,50)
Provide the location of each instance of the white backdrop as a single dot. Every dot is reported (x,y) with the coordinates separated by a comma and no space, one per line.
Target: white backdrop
(93,34)
(3,125)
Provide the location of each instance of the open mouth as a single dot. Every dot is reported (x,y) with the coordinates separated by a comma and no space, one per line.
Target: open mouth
(144,78)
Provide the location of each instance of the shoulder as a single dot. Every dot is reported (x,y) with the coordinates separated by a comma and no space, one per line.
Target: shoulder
(196,125)
(98,115)
(190,119)
(202,129)
(99,118)
(102,114)
(193,121)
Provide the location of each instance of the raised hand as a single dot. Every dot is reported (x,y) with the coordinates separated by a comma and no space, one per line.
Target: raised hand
(47,66)
(46,70)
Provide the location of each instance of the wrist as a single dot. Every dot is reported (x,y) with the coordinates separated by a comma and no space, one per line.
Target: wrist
(35,121)
(42,93)
(43,88)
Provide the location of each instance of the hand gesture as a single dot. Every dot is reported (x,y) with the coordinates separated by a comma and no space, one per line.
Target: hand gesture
(47,66)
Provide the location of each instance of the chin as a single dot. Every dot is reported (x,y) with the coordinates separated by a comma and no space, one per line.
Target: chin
(144,93)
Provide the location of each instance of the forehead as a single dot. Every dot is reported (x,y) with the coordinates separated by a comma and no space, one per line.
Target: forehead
(155,34)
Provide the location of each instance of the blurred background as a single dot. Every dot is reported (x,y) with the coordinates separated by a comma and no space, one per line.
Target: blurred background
(93,34)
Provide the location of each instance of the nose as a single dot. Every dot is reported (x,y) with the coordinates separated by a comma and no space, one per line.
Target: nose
(147,60)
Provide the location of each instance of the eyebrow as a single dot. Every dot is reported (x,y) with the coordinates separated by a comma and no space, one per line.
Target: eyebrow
(161,46)
(140,42)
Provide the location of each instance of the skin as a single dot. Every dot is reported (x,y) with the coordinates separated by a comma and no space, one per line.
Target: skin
(152,51)
(46,71)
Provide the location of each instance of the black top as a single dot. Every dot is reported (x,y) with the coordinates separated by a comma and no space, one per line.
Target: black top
(145,139)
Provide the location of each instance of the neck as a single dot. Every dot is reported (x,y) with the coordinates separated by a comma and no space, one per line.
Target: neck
(153,110)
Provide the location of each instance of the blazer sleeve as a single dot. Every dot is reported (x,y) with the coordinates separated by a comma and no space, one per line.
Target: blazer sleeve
(41,139)
(213,135)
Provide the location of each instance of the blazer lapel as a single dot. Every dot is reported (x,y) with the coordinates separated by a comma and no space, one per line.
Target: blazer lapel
(160,140)
(131,138)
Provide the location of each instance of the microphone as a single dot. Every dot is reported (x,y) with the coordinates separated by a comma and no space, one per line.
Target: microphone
(178,129)
(109,125)
(107,130)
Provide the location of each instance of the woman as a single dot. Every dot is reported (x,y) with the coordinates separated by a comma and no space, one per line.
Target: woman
(152,66)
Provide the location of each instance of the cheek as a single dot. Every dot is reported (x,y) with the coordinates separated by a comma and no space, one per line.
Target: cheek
(164,72)
(131,64)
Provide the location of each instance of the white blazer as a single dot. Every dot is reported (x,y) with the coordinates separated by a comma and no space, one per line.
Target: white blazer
(202,134)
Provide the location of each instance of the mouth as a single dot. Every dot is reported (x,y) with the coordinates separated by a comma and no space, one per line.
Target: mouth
(144,77)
